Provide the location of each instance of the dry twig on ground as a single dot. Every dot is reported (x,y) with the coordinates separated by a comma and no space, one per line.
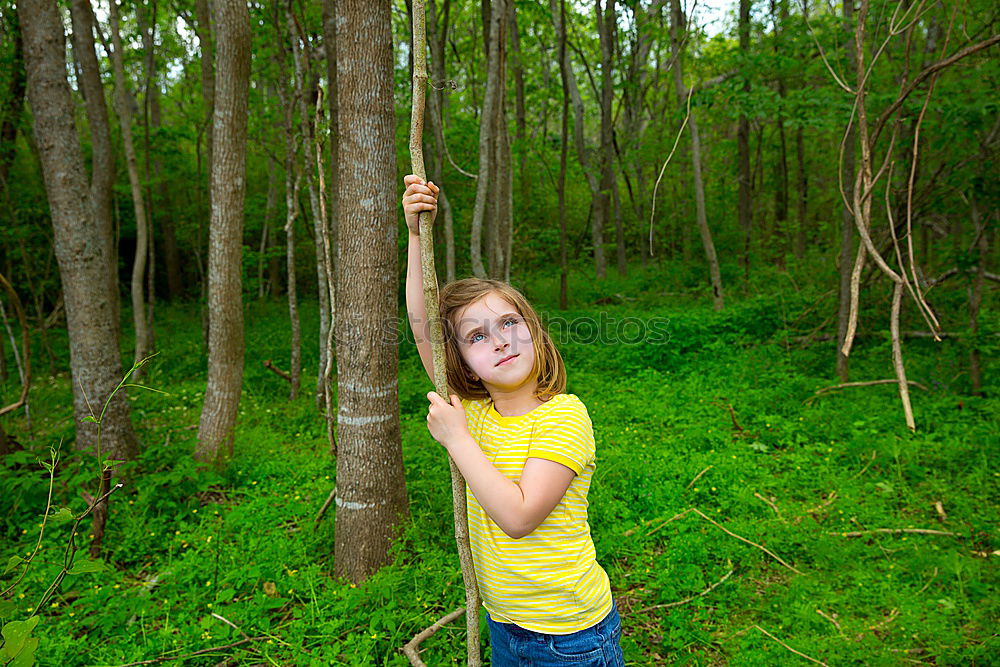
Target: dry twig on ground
(410,649)
(693,597)
(799,653)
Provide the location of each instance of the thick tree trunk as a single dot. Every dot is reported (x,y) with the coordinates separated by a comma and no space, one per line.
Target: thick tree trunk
(371,491)
(743,145)
(845,265)
(82,255)
(699,187)
(225,294)
(102,177)
(143,339)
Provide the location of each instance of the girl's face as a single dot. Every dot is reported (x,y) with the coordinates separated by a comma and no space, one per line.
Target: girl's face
(495,343)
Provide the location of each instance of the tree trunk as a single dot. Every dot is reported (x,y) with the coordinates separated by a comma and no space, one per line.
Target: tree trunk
(846,266)
(319,223)
(597,221)
(743,144)
(607,27)
(266,242)
(102,177)
(524,184)
(976,295)
(779,15)
(437,38)
(563,150)
(82,255)
(801,238)
(488,170)
(13,102)
(699,187)
(288,90)
(330,45)
(228,185)
(143,340)
(371,491)
(204,30)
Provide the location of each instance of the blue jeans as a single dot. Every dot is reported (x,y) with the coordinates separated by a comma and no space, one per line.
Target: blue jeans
(597,646)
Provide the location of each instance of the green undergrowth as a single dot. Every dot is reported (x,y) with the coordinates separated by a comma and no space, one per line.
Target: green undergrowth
(717,463)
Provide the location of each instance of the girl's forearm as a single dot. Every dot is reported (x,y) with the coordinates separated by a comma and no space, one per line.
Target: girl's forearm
(502,498)
(416,310)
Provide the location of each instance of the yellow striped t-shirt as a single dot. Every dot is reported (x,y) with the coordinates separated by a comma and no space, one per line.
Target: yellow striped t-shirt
(548,581)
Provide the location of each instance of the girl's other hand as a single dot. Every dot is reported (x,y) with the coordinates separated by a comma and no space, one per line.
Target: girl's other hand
(419,196)
(446,421)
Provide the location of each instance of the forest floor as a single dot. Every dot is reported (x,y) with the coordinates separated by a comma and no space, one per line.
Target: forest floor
(742,519)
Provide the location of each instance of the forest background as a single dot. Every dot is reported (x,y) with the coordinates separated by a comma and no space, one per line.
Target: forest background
(764,237)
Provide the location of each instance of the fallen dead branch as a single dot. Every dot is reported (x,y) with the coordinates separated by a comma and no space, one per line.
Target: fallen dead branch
(769,503)
(681,515)
(698,476)
(865,469)
(799,653)
(214,649)
(832,619)
(325,507)
(823,505)
(743,539)
(868,383)
(939,508)
(410,649)
(929,582)
(678,603)
(897,531)
(269,365)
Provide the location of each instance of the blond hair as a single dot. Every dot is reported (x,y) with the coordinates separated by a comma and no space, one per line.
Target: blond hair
(548,369)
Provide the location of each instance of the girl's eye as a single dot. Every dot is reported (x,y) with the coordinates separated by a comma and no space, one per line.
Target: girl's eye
(476,338)
(510,320)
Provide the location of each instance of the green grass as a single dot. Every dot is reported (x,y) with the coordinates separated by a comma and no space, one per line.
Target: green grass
(723,398)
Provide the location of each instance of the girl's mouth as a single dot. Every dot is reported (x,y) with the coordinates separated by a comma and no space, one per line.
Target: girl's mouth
(506,359)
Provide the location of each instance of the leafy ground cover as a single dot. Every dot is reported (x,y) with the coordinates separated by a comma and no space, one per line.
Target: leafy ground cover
(724,507)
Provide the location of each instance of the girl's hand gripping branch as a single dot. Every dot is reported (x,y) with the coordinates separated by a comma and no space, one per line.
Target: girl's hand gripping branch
(446,421)
(419,196)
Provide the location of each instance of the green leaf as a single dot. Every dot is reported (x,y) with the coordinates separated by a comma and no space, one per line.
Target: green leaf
(12,563)
(86,566)
(90,418)
(15,636)
(26,658)
(7,608)
(112,462)
(64,514)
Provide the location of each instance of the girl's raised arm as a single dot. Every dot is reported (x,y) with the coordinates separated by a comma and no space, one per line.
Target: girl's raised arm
(419,196)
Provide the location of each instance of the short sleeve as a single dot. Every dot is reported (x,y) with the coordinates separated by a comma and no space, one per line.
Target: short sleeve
(565,435)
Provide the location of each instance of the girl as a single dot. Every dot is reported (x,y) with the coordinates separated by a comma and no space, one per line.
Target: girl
(526,450)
